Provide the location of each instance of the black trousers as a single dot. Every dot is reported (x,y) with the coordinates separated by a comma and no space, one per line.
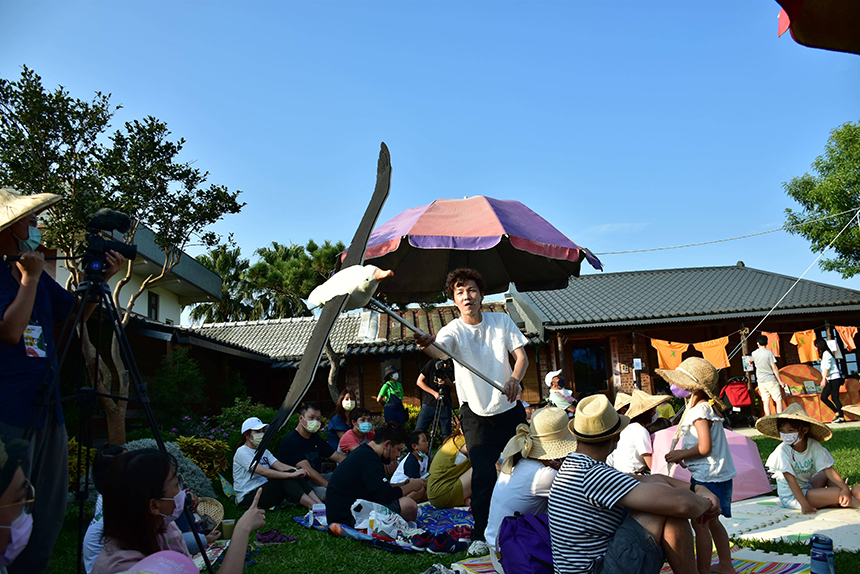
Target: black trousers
(276,492)
(832,389)
(485,439)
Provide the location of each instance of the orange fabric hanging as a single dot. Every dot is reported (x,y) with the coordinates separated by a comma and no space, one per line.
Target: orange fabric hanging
(805,348)
(847,336)
(669,354)
(772,342)
(714,352)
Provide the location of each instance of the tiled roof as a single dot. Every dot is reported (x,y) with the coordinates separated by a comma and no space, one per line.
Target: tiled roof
(282,338)
(682,295)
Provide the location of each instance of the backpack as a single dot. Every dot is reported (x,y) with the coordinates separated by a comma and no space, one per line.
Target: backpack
(524,543)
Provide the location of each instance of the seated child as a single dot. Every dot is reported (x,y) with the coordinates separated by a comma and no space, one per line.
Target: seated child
(416,463)
(805,477)
(450,481)
(632,454)
(360,433)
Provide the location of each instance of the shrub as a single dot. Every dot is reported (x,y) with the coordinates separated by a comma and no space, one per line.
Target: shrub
(194,477)
(210,455)
(411,417)
(176,385)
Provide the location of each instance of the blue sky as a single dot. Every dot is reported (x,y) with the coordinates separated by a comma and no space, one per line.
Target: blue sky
(627,125)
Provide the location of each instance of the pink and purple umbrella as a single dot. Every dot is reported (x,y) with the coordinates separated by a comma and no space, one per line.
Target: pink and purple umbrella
(502,239)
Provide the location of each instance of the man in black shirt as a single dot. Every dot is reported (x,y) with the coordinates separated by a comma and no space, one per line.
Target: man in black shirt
(362,476)
(436,381)
(304,448)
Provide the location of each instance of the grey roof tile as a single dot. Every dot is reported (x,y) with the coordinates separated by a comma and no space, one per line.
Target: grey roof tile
(681,295)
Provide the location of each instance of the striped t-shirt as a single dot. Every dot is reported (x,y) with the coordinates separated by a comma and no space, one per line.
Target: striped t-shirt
(583,511)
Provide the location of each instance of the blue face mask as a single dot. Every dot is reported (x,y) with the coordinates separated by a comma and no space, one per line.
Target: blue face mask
(365,427)
(33,240)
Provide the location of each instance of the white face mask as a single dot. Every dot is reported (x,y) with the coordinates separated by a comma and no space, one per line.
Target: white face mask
(312,426)
(395,376)
(348,405)
(789,438)
(21,529)
(654,418)
(257,438)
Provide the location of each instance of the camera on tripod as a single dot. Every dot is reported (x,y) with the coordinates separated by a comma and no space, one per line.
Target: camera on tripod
(445,369)
(97,246)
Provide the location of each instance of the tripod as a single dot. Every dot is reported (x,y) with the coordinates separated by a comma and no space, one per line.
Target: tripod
(94,290)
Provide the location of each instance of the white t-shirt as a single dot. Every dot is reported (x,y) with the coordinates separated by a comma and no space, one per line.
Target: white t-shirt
(245,481)
(718,466)
(487,347)
(764,361)
(633,442)
(400,474)
(525,490)
(802,465)
(94,538)
(584,512)
(828,363)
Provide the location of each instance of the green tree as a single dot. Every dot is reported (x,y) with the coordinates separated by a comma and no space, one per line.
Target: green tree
(226,260)
(832,187)
(286,274)
(177,384)
(52,142)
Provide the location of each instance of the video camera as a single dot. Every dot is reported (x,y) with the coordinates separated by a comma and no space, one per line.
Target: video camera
(445,369)
(97,246)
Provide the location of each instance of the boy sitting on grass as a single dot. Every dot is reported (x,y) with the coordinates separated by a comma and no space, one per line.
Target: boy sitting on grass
(805,477)
(416,463)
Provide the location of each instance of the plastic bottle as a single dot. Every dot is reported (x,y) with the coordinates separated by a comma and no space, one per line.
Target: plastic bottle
(821,560)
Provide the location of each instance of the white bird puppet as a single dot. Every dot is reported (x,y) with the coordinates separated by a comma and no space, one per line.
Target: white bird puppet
(357,281)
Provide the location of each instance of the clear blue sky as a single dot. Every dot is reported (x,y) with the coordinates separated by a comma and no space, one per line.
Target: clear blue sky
(627,125)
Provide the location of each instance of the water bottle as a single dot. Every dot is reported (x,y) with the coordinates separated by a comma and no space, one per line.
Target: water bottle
(822,557)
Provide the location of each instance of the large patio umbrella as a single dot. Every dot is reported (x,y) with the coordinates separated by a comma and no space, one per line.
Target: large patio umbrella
(827,24)
(502,239)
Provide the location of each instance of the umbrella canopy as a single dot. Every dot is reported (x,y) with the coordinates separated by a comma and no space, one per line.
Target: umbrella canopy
(751,479)
(502,239)
(826,24)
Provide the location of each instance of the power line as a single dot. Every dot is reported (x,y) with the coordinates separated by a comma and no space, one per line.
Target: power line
(783,228)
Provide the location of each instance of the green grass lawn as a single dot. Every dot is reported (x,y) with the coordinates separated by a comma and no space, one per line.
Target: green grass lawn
(319,552)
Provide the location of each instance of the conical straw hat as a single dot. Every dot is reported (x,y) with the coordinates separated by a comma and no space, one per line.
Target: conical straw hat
(642,402)
(15,207)
(768,425)
(621,400)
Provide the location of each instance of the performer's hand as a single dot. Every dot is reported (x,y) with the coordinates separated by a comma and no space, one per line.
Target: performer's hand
(31,264)
(114,261)
(512,389)
(254,517)
(424,340)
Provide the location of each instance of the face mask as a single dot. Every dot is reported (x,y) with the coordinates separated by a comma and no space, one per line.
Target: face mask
(679,392)
(365,428)
(257,438)
(654,418)
(789,438)
(179,506)
(21,528)
(395,376)
(348,405)
(33,240)
(312,426)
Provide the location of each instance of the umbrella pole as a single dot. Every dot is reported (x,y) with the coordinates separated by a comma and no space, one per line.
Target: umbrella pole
(377,306)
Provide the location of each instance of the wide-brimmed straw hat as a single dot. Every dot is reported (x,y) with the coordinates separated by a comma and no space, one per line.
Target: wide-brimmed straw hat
(14,207)
(622,400)
(642,402)
(546,437)
(695,374)
(768,425)
(596,420)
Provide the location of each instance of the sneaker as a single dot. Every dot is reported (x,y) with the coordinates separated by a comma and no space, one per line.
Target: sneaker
(421,541)
(838,420)
(442,544)
(479,548)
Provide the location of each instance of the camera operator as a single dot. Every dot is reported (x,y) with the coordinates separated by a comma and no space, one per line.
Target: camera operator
(31,304)
(436,380)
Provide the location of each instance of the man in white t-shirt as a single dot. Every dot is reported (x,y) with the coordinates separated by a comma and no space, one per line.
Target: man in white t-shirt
(767,375)
(489,418)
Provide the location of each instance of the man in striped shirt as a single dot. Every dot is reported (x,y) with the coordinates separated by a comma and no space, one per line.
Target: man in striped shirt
(604,521)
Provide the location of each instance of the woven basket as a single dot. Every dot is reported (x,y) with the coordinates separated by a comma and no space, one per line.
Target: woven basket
(212,508)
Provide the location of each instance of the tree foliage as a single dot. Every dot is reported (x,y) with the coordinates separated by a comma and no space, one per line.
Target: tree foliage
(226,260)
(286,274)
(832,187)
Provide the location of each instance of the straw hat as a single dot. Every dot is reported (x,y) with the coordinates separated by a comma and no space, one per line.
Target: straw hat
(817,430)
(547,437)
(596,420)
(695,374)
(642,402)
(14,207)
(622,400)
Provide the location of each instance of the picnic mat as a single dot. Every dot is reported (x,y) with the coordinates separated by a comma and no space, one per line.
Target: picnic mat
(438,520)
(213,551)
(754,514)
(480,565)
